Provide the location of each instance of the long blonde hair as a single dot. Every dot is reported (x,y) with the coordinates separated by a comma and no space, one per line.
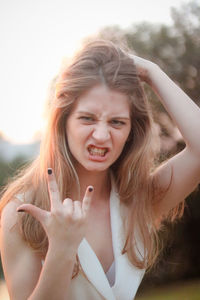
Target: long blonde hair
(98,62)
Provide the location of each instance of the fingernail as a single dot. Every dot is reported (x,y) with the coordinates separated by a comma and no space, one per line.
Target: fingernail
(20,210)
(49,171)
(90,189)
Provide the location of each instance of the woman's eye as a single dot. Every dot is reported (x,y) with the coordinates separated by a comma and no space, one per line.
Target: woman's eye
(86,118)
(117,122)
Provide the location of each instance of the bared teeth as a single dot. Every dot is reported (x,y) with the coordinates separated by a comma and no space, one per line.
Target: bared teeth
(97,151)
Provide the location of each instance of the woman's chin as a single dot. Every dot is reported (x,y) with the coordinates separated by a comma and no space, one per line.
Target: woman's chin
(94,167)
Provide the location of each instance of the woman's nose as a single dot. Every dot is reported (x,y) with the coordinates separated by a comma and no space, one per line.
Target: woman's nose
(101,133)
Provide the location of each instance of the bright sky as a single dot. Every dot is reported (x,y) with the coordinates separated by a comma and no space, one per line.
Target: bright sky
(35,35)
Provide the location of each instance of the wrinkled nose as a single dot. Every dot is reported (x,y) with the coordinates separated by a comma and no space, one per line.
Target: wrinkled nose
(101,133)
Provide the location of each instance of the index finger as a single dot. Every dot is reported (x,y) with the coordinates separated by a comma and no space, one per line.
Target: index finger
(87,199)
(54,193)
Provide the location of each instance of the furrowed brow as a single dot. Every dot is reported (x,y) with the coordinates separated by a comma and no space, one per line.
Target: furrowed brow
(85,112)
(121,117)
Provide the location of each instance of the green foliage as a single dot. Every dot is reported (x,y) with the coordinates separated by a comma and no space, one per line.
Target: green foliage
(9,169)
(174,48)
(178,291)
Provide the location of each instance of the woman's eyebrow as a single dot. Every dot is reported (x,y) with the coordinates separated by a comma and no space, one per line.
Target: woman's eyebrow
(120,117)
(124,117)
(85,112)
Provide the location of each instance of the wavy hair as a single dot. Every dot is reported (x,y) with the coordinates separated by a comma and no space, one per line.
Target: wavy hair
(98,62)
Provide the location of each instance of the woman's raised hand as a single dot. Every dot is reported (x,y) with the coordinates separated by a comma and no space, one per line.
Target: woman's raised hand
(143,66)
(66,221)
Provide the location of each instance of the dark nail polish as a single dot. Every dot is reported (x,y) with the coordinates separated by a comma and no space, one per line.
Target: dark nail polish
(20,210)
(49,171)
(90,189)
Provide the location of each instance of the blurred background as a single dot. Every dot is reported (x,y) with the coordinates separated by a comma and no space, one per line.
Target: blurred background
(37,36)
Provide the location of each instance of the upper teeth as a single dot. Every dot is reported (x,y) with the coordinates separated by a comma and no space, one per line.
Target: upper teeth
(97,151)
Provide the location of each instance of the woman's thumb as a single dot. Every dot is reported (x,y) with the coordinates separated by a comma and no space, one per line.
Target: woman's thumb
(33,210)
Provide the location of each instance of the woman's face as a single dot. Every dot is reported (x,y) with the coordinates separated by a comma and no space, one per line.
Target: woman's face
(98,127)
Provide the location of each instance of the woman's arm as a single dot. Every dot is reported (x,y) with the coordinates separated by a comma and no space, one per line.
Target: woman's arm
(64,226)
(183,168)
(21,266)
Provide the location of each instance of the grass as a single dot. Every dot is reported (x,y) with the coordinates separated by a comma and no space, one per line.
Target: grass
(178,291)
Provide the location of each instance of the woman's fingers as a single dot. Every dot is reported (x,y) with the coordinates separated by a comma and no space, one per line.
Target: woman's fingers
(142,66)
(69,206)
(87,199)
(34,211)
(77,210)
(53,189)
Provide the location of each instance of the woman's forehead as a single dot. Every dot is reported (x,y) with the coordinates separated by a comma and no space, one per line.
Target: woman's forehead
(101,98)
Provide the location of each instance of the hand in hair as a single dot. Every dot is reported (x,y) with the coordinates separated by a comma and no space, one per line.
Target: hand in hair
(65,223)
(142,66)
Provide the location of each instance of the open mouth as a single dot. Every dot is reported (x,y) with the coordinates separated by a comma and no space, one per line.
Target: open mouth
(95,151)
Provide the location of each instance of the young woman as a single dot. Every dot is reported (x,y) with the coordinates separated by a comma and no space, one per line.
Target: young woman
(82,221)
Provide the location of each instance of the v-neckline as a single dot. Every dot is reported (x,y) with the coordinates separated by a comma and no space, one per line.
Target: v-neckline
(92,266)
(89,245)
(127,277)
(110,241)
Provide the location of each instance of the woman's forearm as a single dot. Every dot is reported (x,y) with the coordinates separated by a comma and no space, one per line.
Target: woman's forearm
(55,277)
(184,112)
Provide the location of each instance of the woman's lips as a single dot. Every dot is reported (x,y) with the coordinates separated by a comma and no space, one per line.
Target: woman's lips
(97,153)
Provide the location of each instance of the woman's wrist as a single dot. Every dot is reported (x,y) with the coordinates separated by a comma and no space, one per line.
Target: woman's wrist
(67,252)
(153,72)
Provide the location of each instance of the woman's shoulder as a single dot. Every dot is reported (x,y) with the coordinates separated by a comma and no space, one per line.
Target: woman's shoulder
(24,197)
(9,214)
(10,218)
